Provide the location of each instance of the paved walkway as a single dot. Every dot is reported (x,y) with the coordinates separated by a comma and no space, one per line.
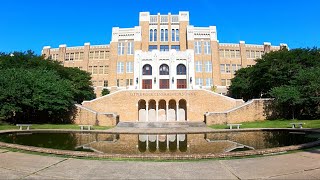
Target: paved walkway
(302,165)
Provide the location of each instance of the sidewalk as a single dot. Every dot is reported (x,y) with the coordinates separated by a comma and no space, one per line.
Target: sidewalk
(301,165)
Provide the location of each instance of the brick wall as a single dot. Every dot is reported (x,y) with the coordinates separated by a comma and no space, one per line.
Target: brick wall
(253,110)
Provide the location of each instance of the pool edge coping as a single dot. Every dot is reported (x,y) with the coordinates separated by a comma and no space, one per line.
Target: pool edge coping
(161,157)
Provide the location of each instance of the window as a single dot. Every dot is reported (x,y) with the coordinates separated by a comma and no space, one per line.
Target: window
(207,47)
(197,47)
(147,69)
(147,84)
(252,54)
(155,35)
(96,55)
(232,53)
(118,82)
(223,82)
(239,66)
(129,67)
(173,35)
(90,69)
(222,68)
(91,55)
(181,83)
(67,56)
(120,67)
(208,65)
(209,82)
(120,48)
(166,35)
(228,68)
(106,69)
(130,48)
(164,69)
(164,84)
(237,53)
(162,35)
(105,83)
(248,53)
(151,35)
(227,53)
(81,55)
(176,47)
(198,66)
(95,70)
(221,53)
(181,69)
(228,82)
(234,68)
(76,56)
(101,55)
(129,82)
(199,81)
(153,47)
(258,55)
(164,48)
(101,70)
(71,56)
(177,35)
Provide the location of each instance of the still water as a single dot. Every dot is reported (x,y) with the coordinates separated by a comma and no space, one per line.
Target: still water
(162,143)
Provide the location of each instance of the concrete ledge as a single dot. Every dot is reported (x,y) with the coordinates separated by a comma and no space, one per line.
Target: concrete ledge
(164,156)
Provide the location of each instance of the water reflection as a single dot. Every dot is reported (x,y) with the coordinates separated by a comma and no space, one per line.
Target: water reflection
(160,143)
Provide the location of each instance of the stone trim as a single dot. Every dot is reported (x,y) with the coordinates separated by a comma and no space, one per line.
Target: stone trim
(164,156)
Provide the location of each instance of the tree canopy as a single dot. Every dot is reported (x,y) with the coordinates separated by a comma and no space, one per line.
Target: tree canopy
(291,77)
(34,89)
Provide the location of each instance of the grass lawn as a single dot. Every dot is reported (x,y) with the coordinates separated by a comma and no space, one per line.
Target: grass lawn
(50,126)
(273,124)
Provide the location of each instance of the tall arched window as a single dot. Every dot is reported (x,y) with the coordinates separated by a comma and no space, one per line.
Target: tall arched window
(181,69)
(164,69)
(147,69)
(155,35)
(166,35)
(151,35)
(162,35)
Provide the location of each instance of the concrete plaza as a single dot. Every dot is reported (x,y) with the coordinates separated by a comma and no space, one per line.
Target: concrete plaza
(300,165)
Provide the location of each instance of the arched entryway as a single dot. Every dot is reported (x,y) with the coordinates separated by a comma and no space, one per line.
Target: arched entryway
(152,111)
(142,110)
(172,110)
(182,111)
(162,111)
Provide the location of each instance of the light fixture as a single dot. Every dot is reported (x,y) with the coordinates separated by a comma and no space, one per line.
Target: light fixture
(172,80)
(190,79)
(137,80)
(154,80)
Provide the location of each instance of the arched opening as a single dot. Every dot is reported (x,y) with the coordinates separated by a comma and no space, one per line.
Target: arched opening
(147,69)
(164,69)
(181,69)
(162,114)
(172,110)
(182,110)
(142,110)
(152,111)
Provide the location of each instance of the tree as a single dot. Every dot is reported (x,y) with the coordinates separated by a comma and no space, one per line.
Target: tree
(287,98)
(36,95)
(105,92)
(40,90)
(291,77)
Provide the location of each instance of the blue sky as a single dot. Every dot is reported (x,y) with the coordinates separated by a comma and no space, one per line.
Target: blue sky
(33,24)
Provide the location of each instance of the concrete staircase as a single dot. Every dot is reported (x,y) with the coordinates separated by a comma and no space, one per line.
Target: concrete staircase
(160,124)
